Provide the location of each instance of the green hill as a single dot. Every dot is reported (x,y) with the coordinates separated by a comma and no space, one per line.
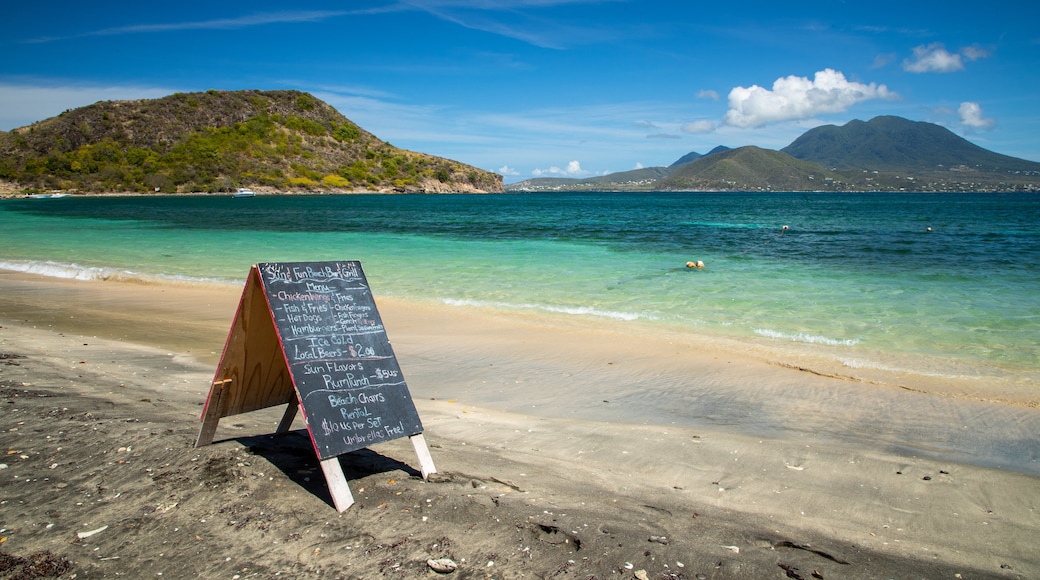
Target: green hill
(744,169)
(285,141)
(895,144)
(748,169)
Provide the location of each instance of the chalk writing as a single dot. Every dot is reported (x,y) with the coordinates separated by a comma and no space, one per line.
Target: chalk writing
(345,372)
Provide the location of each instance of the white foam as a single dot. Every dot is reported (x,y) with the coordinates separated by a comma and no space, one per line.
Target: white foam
(59,270)
(804,337)
(87,273)
(915,370)
(572,310)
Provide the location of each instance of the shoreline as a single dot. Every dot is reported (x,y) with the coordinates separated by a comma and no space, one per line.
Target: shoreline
(13,194)
(549,458)
(16,193)
(562,367)
(937,374)
(220,299)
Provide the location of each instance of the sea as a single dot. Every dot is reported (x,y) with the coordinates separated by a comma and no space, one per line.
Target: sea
(864,285)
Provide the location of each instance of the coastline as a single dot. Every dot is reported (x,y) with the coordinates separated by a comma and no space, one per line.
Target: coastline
(564,439)
(12,192)
(930,327)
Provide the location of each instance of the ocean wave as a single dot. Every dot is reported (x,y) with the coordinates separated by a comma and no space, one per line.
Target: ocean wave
(59,270)
(921,369)
(102,274)
(803,337)
(572,310)
(871,365)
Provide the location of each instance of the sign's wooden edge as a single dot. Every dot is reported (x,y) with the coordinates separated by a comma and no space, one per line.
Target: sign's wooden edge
(227,342)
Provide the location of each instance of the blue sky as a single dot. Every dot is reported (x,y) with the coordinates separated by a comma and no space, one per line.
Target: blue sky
(533,88)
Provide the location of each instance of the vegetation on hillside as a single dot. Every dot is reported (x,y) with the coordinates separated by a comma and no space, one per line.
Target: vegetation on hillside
(219,141)
(747,169)
(895,144)
(883,154)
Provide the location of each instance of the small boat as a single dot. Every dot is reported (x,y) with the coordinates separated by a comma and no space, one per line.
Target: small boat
(48,195)
(244,192)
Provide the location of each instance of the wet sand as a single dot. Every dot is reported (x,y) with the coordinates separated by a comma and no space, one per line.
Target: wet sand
(563,450)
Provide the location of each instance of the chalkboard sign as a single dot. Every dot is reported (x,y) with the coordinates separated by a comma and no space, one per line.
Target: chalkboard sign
(350,386)
(308,335)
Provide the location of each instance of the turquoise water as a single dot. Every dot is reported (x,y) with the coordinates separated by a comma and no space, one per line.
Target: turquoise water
(858,280)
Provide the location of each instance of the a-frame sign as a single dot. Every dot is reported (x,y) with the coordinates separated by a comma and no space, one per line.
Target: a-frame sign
(308,335)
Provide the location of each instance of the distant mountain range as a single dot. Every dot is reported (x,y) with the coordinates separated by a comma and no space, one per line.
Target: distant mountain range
(886,153)
(283,141)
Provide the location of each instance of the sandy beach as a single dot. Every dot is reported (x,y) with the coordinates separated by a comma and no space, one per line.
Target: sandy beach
(563,450)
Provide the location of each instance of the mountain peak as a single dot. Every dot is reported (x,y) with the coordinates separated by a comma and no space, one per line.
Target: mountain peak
(693,156)
(890,143)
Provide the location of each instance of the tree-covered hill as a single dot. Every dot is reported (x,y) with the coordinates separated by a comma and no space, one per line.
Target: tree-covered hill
(895,144)
(747,169)
(218,141)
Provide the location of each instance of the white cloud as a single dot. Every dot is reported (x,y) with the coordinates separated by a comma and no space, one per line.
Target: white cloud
(573,169)
(795,98)
(638,165)
(507,170)
(933,58)
(699,127)
(971,116)
(708,94)
(974,52)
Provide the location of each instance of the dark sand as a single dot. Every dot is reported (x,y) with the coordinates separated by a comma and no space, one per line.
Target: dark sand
(563,451)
